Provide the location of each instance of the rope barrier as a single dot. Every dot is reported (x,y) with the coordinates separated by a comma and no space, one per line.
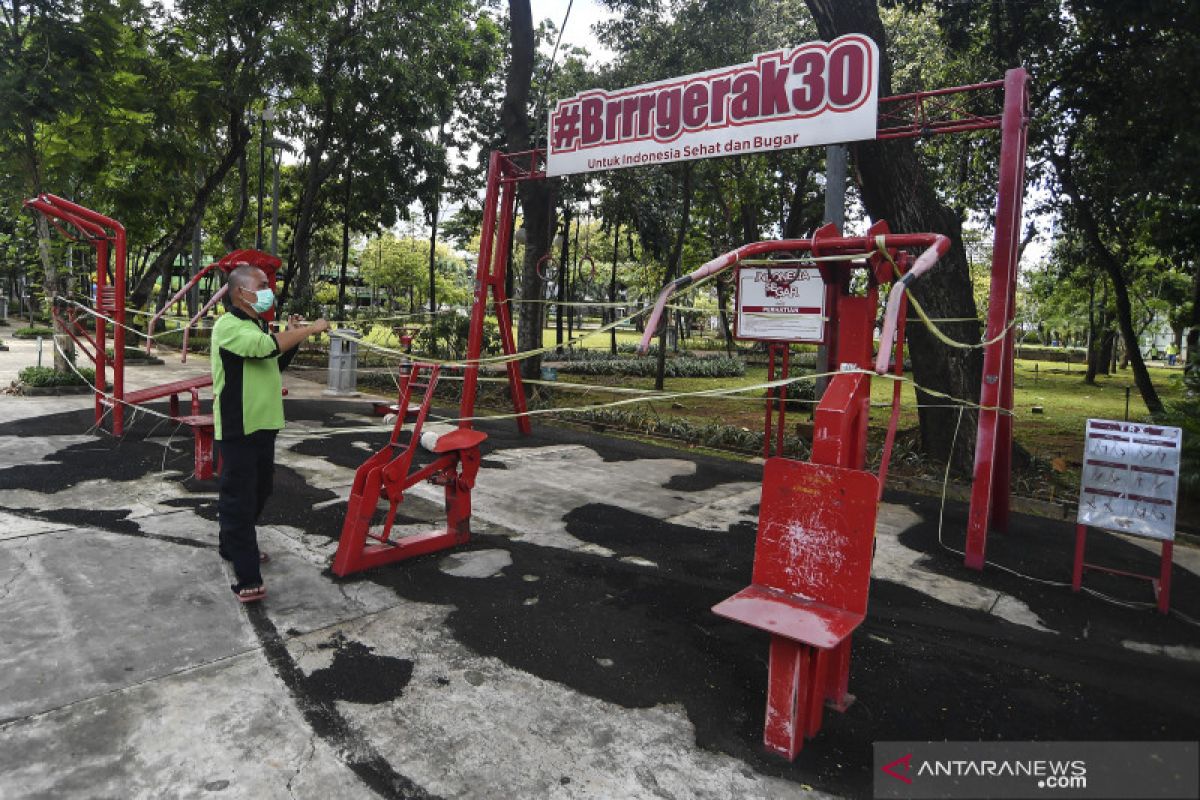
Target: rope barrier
(934,329)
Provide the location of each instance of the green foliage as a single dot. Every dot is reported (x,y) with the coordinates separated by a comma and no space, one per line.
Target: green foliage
(46,376)
(33,333)
(678,367)
(447,334)
(714,435)
(1185,414)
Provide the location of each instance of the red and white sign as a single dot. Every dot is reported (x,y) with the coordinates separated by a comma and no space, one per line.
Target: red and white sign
(1130,480)
(814,93)
(780,304)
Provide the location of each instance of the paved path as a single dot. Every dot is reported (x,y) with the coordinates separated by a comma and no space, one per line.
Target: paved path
(566,652)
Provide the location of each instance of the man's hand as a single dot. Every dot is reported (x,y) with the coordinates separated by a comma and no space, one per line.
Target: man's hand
(297,332)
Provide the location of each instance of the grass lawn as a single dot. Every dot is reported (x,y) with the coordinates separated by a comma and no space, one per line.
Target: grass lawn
(1055,435)
(1066,401)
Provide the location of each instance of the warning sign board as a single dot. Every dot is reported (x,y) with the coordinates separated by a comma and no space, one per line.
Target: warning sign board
(1130,480)
(785,304)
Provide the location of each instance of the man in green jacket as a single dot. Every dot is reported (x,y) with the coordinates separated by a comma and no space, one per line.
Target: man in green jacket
(247,414)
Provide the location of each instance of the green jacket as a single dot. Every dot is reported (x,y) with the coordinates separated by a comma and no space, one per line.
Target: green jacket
(247,387)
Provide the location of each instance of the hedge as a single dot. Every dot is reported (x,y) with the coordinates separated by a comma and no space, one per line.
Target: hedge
(33,333)
(46,376)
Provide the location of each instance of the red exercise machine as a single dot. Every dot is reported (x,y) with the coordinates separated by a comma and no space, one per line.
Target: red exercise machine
(816,526)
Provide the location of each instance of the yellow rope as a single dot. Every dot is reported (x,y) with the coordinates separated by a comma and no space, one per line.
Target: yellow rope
(934,329)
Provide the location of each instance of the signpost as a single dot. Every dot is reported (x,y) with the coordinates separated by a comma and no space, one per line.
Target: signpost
(1130,484)
(780,304)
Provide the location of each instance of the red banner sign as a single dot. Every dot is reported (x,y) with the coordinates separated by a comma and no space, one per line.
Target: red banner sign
(815,93)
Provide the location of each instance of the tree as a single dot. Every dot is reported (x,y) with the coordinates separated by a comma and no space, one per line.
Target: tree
(895,187)
(47,66)
(365,124)
(537,197)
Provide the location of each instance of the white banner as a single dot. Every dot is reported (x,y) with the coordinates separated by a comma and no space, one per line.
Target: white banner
(780,304)
(814,93)
(1130,480)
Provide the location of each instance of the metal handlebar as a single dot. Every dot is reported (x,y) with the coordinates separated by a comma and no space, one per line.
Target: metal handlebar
(923,264)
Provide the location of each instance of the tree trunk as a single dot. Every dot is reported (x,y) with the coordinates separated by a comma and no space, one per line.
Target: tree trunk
(1191,370)
(612,286)
(232,237)
(685,218)
(318,170)
(895,188)
(239,136)
(564,253)
(1112,266)
(723,313)
(1093,348)
(346,234)
(537,197)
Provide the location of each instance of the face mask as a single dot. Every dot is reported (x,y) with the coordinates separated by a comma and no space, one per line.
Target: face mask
(263,300)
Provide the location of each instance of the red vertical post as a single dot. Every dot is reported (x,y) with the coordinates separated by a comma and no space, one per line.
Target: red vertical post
(499,272)
(993,446)
(1080,546)
(788,666)
(1164,577)
(487,236)
(101,356)
(781,394)
(770,399)
(118,310)
(490,270)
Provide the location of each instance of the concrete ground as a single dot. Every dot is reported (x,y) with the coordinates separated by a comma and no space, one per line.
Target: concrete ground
(568,651)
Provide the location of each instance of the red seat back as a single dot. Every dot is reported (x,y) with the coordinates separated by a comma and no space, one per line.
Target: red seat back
(816,529)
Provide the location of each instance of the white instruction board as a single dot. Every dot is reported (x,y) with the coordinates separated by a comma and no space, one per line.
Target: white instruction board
(784,304)
(1130,480)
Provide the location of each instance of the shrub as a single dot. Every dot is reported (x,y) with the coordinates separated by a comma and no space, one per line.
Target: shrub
(33,333)
(46,376)
(713,435)
(679,367)
(449,332)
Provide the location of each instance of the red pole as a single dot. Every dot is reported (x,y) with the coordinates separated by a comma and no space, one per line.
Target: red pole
(993,446)
(499,273)
(466,408)
(781,395)
(1080,545)
(1164,578)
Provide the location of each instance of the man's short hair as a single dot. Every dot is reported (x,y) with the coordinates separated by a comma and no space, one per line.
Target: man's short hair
(242,276)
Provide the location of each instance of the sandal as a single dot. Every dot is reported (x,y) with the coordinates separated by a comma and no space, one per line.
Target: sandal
(249,594)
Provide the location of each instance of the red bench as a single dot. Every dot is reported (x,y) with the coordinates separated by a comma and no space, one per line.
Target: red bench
(202,439)
(192,386)
(812,572)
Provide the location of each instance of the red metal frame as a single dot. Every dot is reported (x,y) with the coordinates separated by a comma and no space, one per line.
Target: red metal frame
(907,116)
(1161,583)
(390,472)
(101,232)
(991,488)
(817,519)
(110,300)
(777,397)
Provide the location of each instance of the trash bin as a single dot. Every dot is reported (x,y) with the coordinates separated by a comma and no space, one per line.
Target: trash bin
(343,363)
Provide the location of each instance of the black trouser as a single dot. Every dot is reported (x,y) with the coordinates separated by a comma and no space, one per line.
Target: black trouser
(247,476)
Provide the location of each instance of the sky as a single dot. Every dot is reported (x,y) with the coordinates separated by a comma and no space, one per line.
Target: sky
(578,30)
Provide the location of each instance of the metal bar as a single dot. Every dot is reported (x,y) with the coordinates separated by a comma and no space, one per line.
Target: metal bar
(482,270)
(119,310)
(831,245)
(993,439)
